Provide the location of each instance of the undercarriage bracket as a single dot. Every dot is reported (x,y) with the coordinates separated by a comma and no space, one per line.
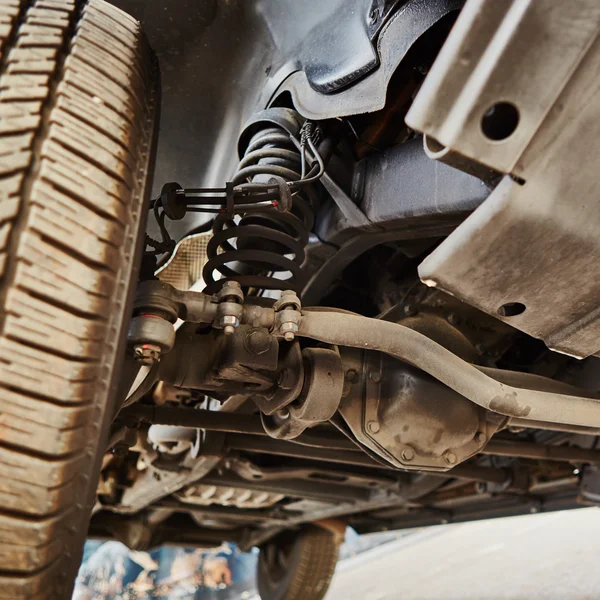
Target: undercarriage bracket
(530,253)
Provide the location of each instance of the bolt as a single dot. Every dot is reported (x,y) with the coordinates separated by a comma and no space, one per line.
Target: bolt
(450,458)
(351,376)
(373,426)
(373,16)
(288,336)
(147,354)
(481,437)
(288,300)
(375,377)
(408,454)
(258,342)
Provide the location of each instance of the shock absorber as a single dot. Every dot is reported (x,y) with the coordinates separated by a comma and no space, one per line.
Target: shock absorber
(264,248)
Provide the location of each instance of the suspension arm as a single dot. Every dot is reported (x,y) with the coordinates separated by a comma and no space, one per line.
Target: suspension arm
(248,443)
(345,329)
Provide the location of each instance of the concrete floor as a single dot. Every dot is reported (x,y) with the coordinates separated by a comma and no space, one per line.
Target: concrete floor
(553,556)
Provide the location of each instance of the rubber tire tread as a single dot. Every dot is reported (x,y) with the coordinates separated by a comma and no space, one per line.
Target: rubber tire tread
(78,113)
(312,564)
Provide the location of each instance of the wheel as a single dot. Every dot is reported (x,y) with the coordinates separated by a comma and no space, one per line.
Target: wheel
(297,566)
(78,105)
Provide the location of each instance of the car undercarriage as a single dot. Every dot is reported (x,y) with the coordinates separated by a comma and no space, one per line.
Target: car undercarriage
(385,317)
(359,393)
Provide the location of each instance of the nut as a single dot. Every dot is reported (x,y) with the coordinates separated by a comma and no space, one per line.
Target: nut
(288,330)
(229,323)
(373,426)
(450,458)
(288,314)
(230,289)
(230,308)
(288,299)
(407,454)
(147,354)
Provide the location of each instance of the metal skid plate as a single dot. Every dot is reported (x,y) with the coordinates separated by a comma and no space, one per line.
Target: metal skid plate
(530,254)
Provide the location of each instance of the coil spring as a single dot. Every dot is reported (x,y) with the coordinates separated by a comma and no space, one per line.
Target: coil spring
(262,245)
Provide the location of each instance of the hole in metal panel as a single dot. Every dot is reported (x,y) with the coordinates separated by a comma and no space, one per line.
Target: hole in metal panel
(511,309)
(500,121)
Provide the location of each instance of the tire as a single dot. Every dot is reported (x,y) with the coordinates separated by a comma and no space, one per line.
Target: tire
(78,107)
(305,568)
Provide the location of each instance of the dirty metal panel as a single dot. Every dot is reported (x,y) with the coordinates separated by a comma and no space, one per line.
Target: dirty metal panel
(368,94)
(530,254)
(501,70)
